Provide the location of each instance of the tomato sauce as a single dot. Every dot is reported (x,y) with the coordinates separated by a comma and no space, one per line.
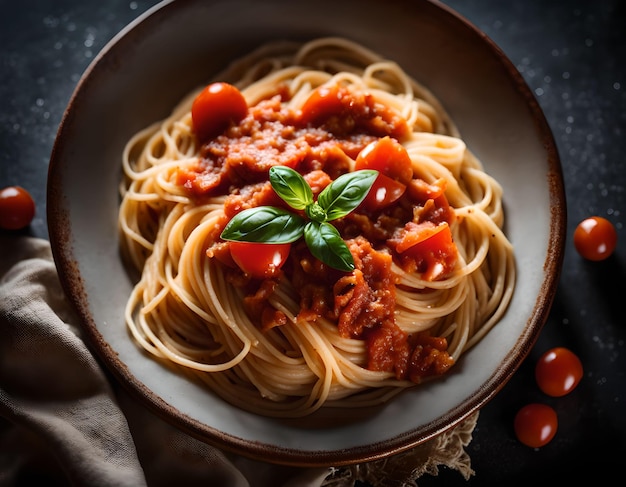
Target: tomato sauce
(321,141)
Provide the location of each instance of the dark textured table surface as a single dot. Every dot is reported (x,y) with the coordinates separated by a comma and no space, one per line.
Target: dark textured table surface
(571,53)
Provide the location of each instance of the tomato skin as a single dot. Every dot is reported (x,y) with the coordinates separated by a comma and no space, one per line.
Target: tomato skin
(558,371)
(215,107)
(535,425)
(595,238)
(259,260)
(391,160)
(388,157)
(17,208)
(432,247)
(322,103)
(383,192)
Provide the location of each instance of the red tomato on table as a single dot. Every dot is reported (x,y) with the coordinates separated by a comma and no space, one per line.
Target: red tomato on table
(535,425)
(558,371)
(595,238)
(17,208)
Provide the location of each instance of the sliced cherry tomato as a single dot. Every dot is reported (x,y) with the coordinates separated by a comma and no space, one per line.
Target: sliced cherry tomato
(535,425)
(383,192)
(422,191)
(432,248)
(558,371)
(388,157)
(421,233)
(215,108)
(259,260)
(595,238)
(17,208)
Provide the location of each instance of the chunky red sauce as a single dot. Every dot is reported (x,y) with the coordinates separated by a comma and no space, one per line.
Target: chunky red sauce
(334,126)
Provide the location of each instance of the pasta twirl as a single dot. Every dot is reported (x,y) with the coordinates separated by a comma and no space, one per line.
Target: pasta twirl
(268,345)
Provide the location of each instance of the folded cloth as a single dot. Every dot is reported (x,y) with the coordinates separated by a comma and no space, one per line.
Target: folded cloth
(63,421)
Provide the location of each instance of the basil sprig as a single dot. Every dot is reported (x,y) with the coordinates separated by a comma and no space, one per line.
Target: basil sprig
(269,224)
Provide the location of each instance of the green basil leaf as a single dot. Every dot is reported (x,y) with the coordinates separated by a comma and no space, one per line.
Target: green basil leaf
(267,224)
(326,244)
(291,187)
(346,192)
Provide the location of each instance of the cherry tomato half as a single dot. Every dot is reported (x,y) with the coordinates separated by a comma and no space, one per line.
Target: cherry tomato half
(215,107)
(17,208)
(432,248)
(259,260)
(388,157)
(383,192)
(595,238)
(558,371)
(535,425)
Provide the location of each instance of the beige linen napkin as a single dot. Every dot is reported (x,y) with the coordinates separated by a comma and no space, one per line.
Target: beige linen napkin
(63,422)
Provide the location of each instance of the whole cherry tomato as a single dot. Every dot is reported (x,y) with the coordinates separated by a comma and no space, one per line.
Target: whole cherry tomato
(595,238)
(17,208)
(259,260)
(324,102)
(535,425)
(215,107)
(558,371)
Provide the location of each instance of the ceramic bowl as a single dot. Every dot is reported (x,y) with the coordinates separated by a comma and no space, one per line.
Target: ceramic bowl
(177,46)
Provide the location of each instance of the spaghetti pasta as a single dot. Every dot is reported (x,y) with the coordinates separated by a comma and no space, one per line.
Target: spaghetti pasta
(193,307)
